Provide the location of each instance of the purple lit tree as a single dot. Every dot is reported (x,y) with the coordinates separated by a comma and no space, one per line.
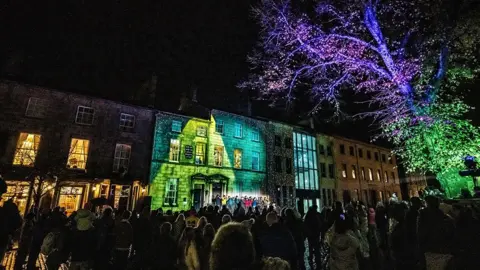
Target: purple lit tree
(408,57)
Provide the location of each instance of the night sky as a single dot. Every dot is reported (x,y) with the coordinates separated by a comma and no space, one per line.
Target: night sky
(109,48)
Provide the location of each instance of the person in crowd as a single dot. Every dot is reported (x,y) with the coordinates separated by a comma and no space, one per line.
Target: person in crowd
(404,258)
(295,226)
(466,243)
(82,241)
(373,240)
(25,240)
(142,239)
(270,263)
(277,241)
(178,227)
(39,232)
(312,232)
(344,245)
(232,248)
(435,235)
(411,227)
(104,227)
(188,258)
(226,219)
(208,236)
(59,252)
(123,232)
(164,256)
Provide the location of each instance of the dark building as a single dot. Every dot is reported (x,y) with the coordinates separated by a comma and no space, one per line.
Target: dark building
(64,149)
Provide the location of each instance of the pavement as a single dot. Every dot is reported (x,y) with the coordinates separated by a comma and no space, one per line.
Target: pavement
(9,261)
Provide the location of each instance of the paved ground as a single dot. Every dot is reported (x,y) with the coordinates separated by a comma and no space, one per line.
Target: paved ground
(9,261)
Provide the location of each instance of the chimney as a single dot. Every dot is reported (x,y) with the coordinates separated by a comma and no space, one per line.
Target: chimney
(194,94)
(183,102)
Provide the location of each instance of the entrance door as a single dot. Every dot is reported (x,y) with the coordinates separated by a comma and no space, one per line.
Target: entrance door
(198,196)
(217,189)
(70,198)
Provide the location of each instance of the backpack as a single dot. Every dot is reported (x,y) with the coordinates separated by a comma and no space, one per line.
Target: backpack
(49,243)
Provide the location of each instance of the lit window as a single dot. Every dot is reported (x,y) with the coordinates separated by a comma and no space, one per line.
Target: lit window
(218,155)
(219,126)
(121,157)
(36,107)
(237,157)
(238,130)
(176,126)
(200,154)
(393,177)
(379,178)
(171,188)
(354,172)
(174,150)
(255,161)
(385,176)
(84,115)
(77,157)
(202,131)
(255,135)
(27,148)
(127,122)
(370,174)
(344,170)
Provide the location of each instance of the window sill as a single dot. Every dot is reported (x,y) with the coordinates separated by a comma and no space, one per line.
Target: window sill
(174,161)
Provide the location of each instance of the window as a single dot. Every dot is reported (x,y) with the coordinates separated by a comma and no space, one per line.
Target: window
(84,115)
(176,126)
(305,162)
(363,173)
(344,170)
(219,126)
(127,122)
(390,160)
(360,153)
(369,155)
(354,172)
(278,164)
(36,107)
(323,170)
(77,157)
(255,135)
(171,188)
(200,153)
(379,177)
(202,131)
(238,130)
(174,150)
(342,149)
(255,161)
(288,142)
(385,176)
(121,158)
(370,174)
(278,141)
(329,151)
(321,149)
(218,155)
(288,165)
(27,149)
(351,150)
(393,177)
(384,158)
(331,171)
(376,156)
(237,157)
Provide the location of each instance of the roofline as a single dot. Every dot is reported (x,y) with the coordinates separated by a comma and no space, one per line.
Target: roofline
(182,115)
(361,143)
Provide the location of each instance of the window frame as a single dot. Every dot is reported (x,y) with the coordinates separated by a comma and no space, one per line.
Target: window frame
(323,170)
(122,125)
(288,165)
(329,151)
(342,149)
(118,148)
(236,153)
(20,151)
(168,190)
(201,131)
(172,154)
(351,151)
(369,155)
(84,113)
(255,135)
(235,126)
(288,142)
(176,123)
(197,154)
(344,170)
(331,171)
(278,140)
(222,153)
(70,152)
(218,124)
(37,113)
(376,156)
(255,156)
(354,172)
(278,163)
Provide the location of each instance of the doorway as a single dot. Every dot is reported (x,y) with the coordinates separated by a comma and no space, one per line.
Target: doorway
(217,189)
(198,196)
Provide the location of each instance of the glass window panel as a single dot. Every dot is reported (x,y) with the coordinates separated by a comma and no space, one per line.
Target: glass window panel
(77,157)
(27,149)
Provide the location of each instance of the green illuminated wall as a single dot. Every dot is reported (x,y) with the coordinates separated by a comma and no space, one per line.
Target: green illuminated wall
(162,169)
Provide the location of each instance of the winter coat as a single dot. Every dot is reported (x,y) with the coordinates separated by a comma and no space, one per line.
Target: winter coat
(164,254)
(313,224)
(343,251)
(123,232)
(277,241)
(435,231)
(192,259)
(81,245)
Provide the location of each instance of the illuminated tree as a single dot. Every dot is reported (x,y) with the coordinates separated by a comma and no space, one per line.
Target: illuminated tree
(395,52)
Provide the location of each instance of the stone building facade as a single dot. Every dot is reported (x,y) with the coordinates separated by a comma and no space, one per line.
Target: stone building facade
(364,172)
(280,168)
(195,160)
(59,148)
(327,169)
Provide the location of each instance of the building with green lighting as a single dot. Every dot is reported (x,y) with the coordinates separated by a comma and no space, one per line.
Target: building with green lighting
(194,159)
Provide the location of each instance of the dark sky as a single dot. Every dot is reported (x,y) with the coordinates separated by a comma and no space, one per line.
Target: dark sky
(108,48)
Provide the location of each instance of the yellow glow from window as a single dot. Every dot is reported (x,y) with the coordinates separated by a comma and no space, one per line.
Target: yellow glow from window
(27,148)
(237,156)
(77,157)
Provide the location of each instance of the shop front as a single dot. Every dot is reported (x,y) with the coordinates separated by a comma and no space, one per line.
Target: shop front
(18,192)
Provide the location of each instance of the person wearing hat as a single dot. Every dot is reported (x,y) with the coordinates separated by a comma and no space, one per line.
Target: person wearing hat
(82,242)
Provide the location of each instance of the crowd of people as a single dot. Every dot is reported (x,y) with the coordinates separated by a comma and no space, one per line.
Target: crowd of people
(419,234)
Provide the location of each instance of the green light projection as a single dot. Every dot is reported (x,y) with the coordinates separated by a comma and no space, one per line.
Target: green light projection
(242,182)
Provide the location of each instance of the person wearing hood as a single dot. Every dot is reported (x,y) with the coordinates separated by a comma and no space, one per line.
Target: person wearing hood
(123,232)
(82,242)
(277,241)
(344,246)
